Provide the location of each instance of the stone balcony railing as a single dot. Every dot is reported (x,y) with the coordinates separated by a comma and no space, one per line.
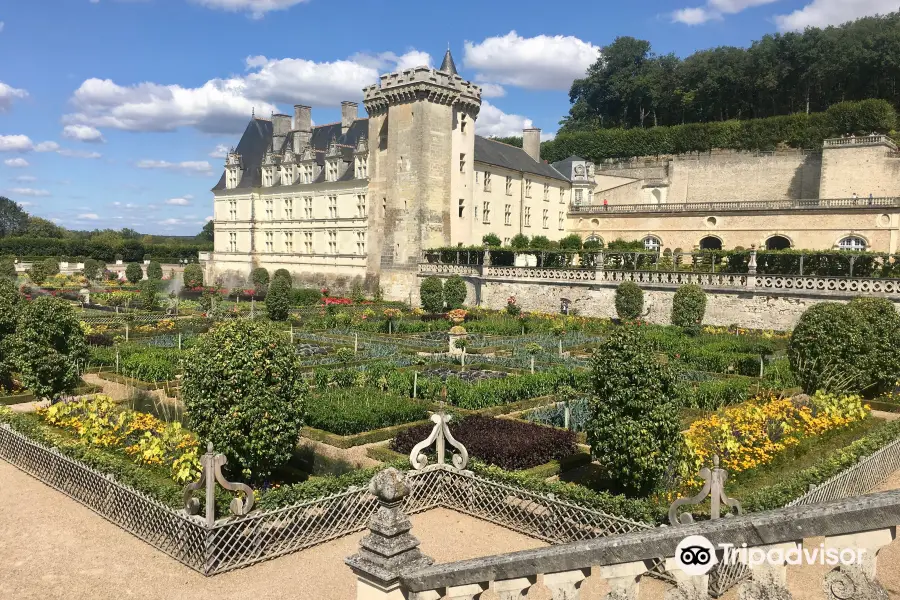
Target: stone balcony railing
(740,206)
(864,140)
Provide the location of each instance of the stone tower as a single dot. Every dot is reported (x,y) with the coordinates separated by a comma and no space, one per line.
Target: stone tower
(421,152)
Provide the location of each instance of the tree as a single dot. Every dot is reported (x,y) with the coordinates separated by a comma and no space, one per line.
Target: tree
(629,301)
(48,347)
(134,272)
(193,276)
(570,242)
(455,292)
(519,241)
(492,240)
(260,279)
(38,272)
(9,307)
(540,242)
(154,271)
(92,269)
(51,266)
(148,294)
(37,227)
(829,348)
(244,391)
(688,306)
(283,274)
(431,293)
(278,299)
(633,428)
(881,364)
(207,234)
(7,268)
(12,218)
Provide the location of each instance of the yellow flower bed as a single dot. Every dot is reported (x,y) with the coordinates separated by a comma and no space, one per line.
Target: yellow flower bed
(98,421)
(753,433)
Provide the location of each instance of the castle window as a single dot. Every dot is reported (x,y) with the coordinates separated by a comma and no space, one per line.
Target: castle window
(506,241)
(486,212)
(590,197)
(562,221)
(288,241)
(308,242)
(270,243)
(360,242)
(288,208)
(652,243)
(332,207)
(232,210)
(476,176)
(528,188)
(307,207)
(462,162)
(462,123)
(332,242)
(361,206)
(546,193)
(232,242)
(475,214)
(270,212)
(578,196)
(562,195)
(507,214)
(778,242)
(462,207)
(487,181)
(710,243)
(231,179)
(508,185)
(852,243)
(286,178)
(527,216)
(362,167)
(546,219)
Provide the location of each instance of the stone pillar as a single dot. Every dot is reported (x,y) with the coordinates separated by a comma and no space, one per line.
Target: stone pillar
(624,579)
(513,589)
(567,584)
(769,580)
(857,581)
(688,587)
(390,549)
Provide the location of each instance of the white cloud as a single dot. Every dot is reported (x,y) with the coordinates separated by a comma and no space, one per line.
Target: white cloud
(540,62)
(22,191)
(78,153)
(47,147)
(25,178)
(171,222)
(178,202)
(15,143)
(492,90)
(714,9)
(256,8)
(494,122)
(188,166)
(8,94)
(83,133)
(207,219)
(89,216)
(221,151)
(821,13)
(16,162)
(225,105)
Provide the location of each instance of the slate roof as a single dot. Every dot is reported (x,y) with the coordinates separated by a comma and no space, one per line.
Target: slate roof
(564,166)
(509,157)
(252,147)
(448,66)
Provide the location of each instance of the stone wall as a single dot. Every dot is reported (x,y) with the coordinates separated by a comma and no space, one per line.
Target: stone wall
(862,170)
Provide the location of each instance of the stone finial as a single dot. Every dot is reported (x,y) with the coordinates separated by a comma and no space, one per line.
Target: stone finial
(751,266)
(439,436)
(212,464)
(390,549)
(713,488)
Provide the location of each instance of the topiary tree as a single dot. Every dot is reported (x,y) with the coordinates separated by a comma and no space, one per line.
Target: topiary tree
(278,299)
(455,292)
(571,242)
(154,271)
(38,272)
(9,311)
(629,301)
(148,294)
(431,292)
(283,274)
(134,272)
(92,269)
(540,241)
(244,392)
(592,245)
(259,277)
(688,306)
(633,427)
(519,241)
(828,349)
(193,276)
(51,266)
(7,268)
(881,323)
(48,347)
(492,240)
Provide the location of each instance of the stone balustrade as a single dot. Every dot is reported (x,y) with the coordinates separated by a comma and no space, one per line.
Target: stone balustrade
(863,140)
(739,206)
(855,530)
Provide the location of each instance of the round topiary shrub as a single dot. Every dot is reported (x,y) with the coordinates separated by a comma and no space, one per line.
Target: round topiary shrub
(828,349)
(154,271)
(51,266)
(92,269)
(431,292)
(283,274)
(48,347)
(278,299)
(259,277)
(455,292)
(244,392)
(193,276)
(492,240)
(134,272)
(633,427)
(881,321)
(629,301)
(688,306)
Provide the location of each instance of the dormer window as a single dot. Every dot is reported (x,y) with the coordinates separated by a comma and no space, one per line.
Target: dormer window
(287,175)
(268,177)
(362,167)
(231,179)
(331,170)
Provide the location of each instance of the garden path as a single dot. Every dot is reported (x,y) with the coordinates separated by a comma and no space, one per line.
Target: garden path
(887,416)
(117,391)
(356,455)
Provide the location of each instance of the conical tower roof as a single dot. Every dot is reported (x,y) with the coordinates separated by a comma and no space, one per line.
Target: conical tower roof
(448,66)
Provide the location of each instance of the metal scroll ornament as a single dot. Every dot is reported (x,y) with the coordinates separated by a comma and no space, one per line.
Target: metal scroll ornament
(440,435)
(714,488)
(212,464)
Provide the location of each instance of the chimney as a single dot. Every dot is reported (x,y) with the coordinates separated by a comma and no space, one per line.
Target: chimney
(281,125)
(349,113)
(303,125)
(531,143)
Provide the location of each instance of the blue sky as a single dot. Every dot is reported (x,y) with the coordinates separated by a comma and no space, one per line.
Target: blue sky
(114,113)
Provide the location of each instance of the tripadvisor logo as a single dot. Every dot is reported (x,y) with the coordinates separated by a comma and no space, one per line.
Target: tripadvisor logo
(696,555)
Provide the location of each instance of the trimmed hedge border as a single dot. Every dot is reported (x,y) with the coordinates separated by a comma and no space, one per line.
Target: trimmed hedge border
(358,439)
(29,397)
(142,385)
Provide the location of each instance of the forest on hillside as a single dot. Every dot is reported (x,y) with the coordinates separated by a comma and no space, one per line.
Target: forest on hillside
(780,74)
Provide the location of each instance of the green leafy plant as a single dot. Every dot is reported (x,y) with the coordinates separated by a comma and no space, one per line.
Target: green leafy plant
(259,277)
(283,274)
(455,292)
(492,240)
(629,301)
(431,293)
(519,241)
(244,392)
(350,411)
(149,294)
(278,299)
(134,272)
(193,276)
(634,430)
(92,269)
(154,271)
(688,307)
